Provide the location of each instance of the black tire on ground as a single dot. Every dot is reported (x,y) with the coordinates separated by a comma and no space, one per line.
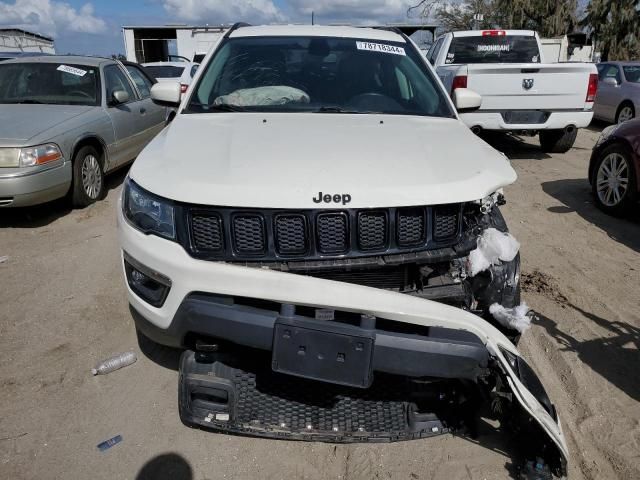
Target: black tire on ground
(88,177)
(630,196)
(622,106)
(557,141)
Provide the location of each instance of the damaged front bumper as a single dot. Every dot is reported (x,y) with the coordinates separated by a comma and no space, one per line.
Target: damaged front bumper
(422,341)
(326,381)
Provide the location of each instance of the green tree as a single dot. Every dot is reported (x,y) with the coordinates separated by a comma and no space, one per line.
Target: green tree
(615,24)
(549,18)
(460,16)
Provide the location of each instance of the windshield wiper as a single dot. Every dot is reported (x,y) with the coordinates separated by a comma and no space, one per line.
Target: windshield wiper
(334,109)
(27,102)
(197,107)
(226,107)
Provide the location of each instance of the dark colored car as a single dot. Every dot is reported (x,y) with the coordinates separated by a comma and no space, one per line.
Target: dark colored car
(614,169)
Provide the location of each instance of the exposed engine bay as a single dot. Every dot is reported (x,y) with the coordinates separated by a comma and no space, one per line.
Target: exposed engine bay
(459,275)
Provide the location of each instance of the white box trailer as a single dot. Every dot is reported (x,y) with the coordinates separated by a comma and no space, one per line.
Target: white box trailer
(575,47)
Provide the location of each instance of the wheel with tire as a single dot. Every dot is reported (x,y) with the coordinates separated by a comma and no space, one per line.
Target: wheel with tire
(88,177)
(625,112)
(558,141)
(614,180)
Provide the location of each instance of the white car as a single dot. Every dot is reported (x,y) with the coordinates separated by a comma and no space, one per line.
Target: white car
(317,198)
(182,72)
(519,91)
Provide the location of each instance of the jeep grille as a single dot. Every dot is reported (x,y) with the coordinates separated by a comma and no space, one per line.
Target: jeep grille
(248,235)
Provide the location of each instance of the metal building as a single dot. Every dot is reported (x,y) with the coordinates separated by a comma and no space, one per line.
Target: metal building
(157,43)
(149,43)
(16,40)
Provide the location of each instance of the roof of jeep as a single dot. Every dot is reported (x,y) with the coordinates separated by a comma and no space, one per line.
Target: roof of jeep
(317,31)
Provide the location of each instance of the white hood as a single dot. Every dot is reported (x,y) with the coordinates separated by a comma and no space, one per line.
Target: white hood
(284,160)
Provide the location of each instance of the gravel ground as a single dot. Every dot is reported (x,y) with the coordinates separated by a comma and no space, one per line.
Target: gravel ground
(63,307)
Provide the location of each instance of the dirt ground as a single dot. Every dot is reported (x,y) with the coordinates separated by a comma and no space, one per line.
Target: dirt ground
(63,307)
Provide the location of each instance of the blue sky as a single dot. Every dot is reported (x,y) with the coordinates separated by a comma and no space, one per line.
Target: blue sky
(94,27)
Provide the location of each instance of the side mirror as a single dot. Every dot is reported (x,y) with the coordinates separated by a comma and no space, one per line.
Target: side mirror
(166,94)
(466,100)
(118,97)
(611,81)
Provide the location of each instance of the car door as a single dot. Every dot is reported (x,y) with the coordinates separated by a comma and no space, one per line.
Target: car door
(607,98)
(152,116)
(126,118)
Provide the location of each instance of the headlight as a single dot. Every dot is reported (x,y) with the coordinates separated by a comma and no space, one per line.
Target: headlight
(9,157)
(147,212)
(29,156)
(606,133)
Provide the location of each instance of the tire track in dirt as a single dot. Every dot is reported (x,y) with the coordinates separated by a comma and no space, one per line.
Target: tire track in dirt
(594,460)
(360,463)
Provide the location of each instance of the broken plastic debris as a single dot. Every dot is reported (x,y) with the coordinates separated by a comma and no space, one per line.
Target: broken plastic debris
(107,444)
(4,258)
(114,363)
(493,245)
(516,318)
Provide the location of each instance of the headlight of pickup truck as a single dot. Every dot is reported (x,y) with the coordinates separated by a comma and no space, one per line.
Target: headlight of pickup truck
(147,212)
(29,156)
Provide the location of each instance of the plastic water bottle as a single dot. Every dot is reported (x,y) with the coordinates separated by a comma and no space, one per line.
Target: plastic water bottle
(114,363)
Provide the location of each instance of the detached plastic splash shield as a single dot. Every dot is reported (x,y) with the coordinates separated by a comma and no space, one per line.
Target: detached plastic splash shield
(238,397)
(240,394)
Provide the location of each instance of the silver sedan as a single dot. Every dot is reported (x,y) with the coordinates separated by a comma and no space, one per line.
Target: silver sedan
(618,98)
(66,121)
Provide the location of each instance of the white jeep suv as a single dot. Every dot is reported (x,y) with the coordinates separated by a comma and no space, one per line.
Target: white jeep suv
(317,191)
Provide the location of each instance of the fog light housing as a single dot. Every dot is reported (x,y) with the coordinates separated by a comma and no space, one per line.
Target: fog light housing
(151,286)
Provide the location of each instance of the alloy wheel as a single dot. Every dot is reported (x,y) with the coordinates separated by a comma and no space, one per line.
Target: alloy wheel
(91,177)
(613,179)
(625,114)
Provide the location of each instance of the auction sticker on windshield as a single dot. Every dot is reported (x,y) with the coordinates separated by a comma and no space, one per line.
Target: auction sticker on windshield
(72,70)
(380,47)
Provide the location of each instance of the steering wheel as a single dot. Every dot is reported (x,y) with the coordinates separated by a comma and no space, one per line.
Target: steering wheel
(84,94)
(374,101)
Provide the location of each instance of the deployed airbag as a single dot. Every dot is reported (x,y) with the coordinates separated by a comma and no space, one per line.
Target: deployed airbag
(263,96)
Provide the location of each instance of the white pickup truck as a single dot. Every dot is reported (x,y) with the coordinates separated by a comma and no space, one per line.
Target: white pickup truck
(519,92)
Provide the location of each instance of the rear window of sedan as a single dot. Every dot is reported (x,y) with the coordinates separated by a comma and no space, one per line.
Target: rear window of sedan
(49,83)
(164,71)
(632,73)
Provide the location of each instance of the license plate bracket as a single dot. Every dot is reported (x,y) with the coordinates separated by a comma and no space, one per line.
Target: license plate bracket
(324,351)
(525,117)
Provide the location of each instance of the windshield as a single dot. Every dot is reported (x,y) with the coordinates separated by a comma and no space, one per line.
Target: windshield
(494,49)
(318,74)
(49,83)
(632,73)
(164,71)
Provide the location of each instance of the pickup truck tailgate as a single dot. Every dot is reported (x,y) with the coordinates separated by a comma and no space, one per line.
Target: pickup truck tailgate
(504,87)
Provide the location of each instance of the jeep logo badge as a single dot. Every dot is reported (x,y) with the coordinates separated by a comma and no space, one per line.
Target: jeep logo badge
(343,198)
(527,83)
